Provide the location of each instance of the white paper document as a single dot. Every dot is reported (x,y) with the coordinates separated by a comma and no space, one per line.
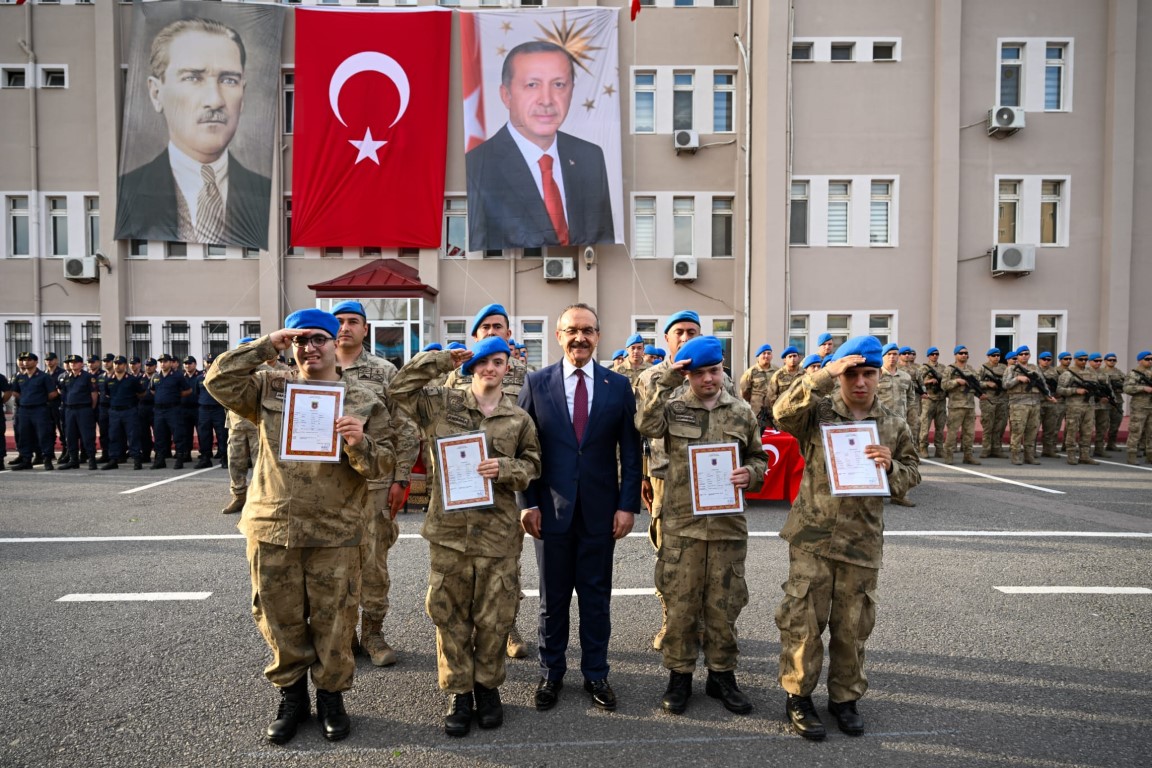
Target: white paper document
(710,470)
(850,472)
(458,459)
(308,432)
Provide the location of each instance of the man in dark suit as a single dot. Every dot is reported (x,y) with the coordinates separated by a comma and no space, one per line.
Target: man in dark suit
(581,503)
(516,197)
(195,190)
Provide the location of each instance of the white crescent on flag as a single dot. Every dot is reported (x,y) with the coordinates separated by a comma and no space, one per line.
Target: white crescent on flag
(368,61)
(769,448)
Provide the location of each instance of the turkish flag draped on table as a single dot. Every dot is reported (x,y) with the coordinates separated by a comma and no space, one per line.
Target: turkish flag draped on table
(371,127)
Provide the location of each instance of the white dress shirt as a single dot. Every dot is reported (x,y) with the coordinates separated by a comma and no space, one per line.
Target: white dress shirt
(532,155)
(186,171)
(570,384)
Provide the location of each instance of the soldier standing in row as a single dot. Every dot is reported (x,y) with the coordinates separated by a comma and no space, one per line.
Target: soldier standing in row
(37,434)
(908,365)
(962,396)
(1103,407)
(1115,378)
(633,364)
(753,385)
(1051,411)
(783,378)
(145,413)
(1139,386)
(1077,386)
(933,404)
(56,406)
(190,408)
(211,424)
(169,389)
(78,390)
(994,406)
(124,392)
(895,391)
(1064,360)
(1025,388)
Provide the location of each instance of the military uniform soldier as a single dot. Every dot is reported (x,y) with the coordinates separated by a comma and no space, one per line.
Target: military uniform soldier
(123,398)
(1115,378)
(243,448)
(835,542)
(169,389)
(56,406)
(934,403)
(190,407)
(700,565)
(474,582)
(908,365)
(1026,388)
(782,379)
(1051,411)
(633,363)
(1064,360)
(304,520)
(78,390)
(146,413)
(1077,387)
(960,383)
(994,406)
(36,434)
(753,386)
(895,390)
(1103,407)
(1139,386)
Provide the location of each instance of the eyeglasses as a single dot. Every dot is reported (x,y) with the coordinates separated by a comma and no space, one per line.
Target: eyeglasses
(1081,358)
(962,353)
(317,342)
(588,331)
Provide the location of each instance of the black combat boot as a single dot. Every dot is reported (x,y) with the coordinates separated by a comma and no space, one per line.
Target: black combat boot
(489,708)
(722,685)
(333,718)
(847,718)
(458,719)
(802,714)
(204,463)
(293,710)
(678,692)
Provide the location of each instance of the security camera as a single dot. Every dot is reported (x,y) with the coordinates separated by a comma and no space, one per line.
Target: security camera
(589,256)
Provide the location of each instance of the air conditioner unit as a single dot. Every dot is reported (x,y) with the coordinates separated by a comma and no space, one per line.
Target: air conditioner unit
(559,268)
(1005,121)
(1013,259)
(686,141)
(684,269)
(80,268)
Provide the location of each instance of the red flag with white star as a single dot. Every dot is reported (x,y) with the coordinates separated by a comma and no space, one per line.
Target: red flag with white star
(371,127)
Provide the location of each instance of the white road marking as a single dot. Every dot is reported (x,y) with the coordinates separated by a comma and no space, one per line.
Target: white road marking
(116,597)
(991,477)
(1029,534)
(170,480)
(1126,465)
(98,539)
(615,592)
(1075,590)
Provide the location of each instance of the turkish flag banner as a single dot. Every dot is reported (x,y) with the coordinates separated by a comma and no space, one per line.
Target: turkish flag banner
(371,127)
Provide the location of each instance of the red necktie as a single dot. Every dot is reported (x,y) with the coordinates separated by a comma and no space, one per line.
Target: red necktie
(552,201)
(580,406)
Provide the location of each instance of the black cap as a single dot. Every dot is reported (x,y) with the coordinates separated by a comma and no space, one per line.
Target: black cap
(31,356)
(150,361)
(93,358)
(109,357)
(73,359)
(189,359)
(164,358)
(209,359)
(51,356)
(120,360)
(22,356)
(134,360)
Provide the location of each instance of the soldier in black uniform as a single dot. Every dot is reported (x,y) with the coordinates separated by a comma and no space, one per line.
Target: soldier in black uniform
(33,394)
(102,412)
(190,407)
(78,390)
(144,412)
(54,371)
(210,421)
(169,388)
(124,391)
(5,394)
(14,387)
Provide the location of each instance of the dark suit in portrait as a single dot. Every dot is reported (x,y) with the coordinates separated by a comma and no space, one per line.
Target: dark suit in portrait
(578,493)
(505,209)
(149,206)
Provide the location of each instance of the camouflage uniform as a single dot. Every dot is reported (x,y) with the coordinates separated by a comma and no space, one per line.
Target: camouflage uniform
(753,388)
(897,392)
(243,448)
(474,581)
(993,411)
(624,368)
(913,417)
(513,380)
(1102,416)
(1115,378)
(1023,412)
(700,563)
(836,546)
(1080,416)
(780,382)
(933,408)
(1051,414)
(1140,422)
(961,411)
(304,521)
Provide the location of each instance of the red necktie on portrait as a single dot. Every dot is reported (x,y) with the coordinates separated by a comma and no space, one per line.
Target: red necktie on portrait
(553,202)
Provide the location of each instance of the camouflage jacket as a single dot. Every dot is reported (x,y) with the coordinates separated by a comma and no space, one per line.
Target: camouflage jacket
(780,382)
(916,375)
(1115,378)
(960,393)
(673,415)
(934,391)
(1077,378)
(511,438)
(513,380)
(1019,391)
(376,373)
(753,387)
(845,528)
(301,503)
(656,461)
(1134,384)
(897,393)
(990,374)
(625,369)
(1051,375)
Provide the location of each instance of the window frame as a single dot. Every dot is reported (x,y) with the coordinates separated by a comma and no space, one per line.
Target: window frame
(679,216)
(838,200)
(806,198)
(648,91)
(679,91)
(727,213)
(13,216)
(57,225)
(648,215)
(722,91)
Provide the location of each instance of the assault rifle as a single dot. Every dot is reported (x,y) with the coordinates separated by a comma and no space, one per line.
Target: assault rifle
(931,380)
(1105,391)
(991,377)
(1035,379)
(1147,382)
(974,385)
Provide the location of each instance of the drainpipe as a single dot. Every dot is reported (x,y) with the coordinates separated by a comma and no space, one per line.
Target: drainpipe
(747,324)
(34,177)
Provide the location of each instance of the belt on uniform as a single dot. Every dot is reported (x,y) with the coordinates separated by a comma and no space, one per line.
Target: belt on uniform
(122,407)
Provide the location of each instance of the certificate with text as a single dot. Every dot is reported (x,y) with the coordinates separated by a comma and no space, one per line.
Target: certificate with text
(710,470)
(458,459)
(850,472)
(308,432)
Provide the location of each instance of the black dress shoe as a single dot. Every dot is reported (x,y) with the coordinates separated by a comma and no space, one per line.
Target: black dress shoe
(678,692)
(111,465)
(204,463)
(48,465)
(334,719)
(92,464)
(159,464)
(458,718)
(20,466)
(293,710)
(722,685)
(179,464)
(547,693)
(802,713)
(489,709)
(602,695)
(37,460)
(847,718)
(69,465)
(137,464)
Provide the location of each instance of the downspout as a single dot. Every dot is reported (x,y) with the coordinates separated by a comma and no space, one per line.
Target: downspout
(789,149)
(34,177)
(747,323)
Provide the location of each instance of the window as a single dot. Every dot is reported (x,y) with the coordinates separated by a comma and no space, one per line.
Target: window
(17,339)
(1008,203)
(215,335)
(883,51)
(1051,193)
(722,330)
(58,338)
(58,225)
(53,77)
(685,3)
(250,328)
(1011,71)
(798,216)
(138,249)
(798,333)
(1004,331)
(531,335)
(250,253)
(683,212)
(332,252)
(529,253)
(18,226)
(644,228)
(722,226)
(1054,78)
(801,51)
(177,339)
(1047,334)
(455,227)
(139,335)
(215,251)
(840,326)
(839,197)
(880,326)
(644,102)
(723,93)
(92,224)
(878,213)
(371,252)
(682,85)
(843,52)
(90,338)
(176,250)
(724,3)
(291,248)
(289,79)
(455,330)
(646,327)
(14,77)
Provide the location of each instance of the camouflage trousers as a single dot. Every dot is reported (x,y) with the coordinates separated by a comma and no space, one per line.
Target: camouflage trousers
(1051,415)
(932,412)
(823,593)
(1115,416)
(962,426)
(1079,421)
(993,421)
(1103,422)
(305,601)
(701,579)
(1024,422)
(472,601)
(654,531)
(1139,428)
(243,448)
(382,534)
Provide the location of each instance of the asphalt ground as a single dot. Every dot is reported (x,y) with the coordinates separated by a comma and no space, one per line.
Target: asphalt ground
(961,673)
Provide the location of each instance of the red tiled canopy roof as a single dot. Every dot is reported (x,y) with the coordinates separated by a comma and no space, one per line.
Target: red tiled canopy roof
(379,279)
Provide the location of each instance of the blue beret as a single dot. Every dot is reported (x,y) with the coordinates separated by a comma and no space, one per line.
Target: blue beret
(703,351)
(1011,355)
(661,352)
(684,315)
(486,347)
(868,346)
(932,351)
(521,345)
(993,351)
(619,354)
(456,345)
(959,348)
(763,348)
(433,347)
(247,339)
(1079,353)
(1023,348)
(350,308)
(1045,355)
(810,360)
(650,350)
(1063,355)
(789,351)
(491,309)
(824,337)
(634,339)
(890,347)
(1109,355)
(905,350)
(1095,356)
(1141,355)
(313,318)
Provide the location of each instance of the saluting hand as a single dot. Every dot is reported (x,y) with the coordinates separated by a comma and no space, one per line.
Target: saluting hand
(460,356)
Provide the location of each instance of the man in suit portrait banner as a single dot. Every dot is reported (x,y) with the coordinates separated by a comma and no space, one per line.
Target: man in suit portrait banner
(542,127)
(200,123)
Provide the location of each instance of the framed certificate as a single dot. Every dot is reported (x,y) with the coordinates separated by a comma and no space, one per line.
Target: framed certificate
(850,472)
(308,432)
(461,485)
(710,470)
